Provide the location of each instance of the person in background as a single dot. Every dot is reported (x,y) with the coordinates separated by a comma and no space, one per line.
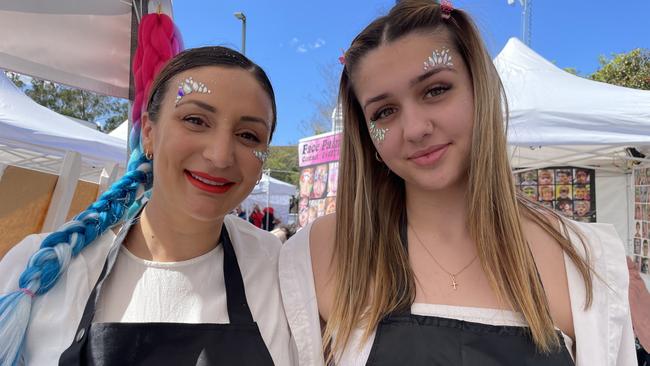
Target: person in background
(282,232)
(268,219)
(240,212)
(256,216)
(640,308)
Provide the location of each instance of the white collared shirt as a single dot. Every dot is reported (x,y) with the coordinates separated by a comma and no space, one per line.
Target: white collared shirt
(56,314)
(603,332)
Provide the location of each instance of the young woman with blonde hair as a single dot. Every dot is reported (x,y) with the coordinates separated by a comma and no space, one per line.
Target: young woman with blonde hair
(432,258)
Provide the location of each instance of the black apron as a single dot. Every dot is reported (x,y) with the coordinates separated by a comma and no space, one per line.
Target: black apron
(406,339)
(236,343)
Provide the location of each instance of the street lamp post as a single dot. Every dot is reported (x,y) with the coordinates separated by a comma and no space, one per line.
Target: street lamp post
(239,15)
(526,19)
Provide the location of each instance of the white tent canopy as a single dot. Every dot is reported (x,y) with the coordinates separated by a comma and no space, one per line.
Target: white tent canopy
(35,137)
(549,107)
(86,44)
(121,131)
(556,118)
(274,193)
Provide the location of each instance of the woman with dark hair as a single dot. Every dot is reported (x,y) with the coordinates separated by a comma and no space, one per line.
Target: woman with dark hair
(182,282)
(269,220)
(432,257)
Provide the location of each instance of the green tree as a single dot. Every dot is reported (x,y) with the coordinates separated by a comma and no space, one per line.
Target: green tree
(571,70)
(283,162)
(323,103)
(119,113)
(88,106)
(15,78)
(630,69)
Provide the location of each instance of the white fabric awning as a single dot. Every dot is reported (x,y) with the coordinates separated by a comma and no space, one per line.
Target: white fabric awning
(85,44)
(274,193)
(557,118)
(36,137)
(121,131)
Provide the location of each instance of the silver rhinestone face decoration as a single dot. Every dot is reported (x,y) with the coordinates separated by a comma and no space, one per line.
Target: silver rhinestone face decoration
(261,155)
(438,57)
(189,86)
(377,133)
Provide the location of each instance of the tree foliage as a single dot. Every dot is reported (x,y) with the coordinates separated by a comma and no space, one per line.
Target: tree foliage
(325,102)
(103,110)
(16,79)
(283,163)
(630,69)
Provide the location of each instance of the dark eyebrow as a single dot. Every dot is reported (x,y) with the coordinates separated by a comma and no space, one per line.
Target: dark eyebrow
(375,99)
(200,104)
(413,82)
(430,73)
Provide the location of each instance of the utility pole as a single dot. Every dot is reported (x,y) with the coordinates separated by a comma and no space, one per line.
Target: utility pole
(526,20)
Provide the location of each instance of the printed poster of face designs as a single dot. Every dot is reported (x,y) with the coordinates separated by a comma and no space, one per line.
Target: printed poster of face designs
(641,241)
(317,191)
(569,191)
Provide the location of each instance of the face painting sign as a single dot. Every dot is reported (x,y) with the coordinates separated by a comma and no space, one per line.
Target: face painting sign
(318,160)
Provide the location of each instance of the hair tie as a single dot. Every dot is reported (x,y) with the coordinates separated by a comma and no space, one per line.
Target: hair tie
(446,8)
(27,291)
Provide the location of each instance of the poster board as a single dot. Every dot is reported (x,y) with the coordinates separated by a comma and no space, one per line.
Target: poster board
(568,190)
(318,161)
(641,233)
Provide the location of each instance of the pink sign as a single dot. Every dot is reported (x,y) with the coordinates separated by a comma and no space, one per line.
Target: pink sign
(319,150)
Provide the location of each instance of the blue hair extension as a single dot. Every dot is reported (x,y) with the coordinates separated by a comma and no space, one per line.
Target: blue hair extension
(56,251)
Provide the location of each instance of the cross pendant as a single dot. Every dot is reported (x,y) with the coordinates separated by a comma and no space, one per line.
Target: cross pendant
(454,284)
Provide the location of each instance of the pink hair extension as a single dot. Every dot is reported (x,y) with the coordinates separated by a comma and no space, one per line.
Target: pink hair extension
(158,41)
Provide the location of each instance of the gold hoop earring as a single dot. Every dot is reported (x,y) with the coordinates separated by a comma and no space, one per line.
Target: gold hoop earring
(377,157)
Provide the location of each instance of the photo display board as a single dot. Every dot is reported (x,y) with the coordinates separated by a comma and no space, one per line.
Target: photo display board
(569,191)
(319,170)
(641,218)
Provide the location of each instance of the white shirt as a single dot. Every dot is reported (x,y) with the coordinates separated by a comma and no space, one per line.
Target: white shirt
(603,332)
(56,314)
(190,291)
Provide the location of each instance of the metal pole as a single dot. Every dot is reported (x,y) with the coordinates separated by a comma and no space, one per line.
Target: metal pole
(527,20)
(241,16)
(268,195)
(243,36)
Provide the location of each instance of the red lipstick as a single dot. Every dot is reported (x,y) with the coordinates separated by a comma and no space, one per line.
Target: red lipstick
(208,183)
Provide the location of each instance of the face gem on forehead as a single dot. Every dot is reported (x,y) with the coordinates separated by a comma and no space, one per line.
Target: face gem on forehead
(189,86)
(377,133)
(438,57)
(261,155)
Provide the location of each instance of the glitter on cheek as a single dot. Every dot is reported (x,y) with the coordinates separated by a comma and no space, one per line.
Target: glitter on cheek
(377,133)
(261,155)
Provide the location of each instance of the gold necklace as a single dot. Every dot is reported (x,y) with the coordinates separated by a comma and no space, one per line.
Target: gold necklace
(454,284)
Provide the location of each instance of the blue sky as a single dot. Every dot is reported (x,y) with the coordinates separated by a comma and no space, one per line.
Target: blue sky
(294,40)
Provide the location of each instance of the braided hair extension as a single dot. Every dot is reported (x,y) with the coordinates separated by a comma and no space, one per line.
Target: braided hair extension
(159,41)
(46,265)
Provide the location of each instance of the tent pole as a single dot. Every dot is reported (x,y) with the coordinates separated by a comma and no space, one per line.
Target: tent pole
(268,194)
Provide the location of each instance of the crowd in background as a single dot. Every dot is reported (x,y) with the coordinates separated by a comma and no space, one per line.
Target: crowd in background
(265,219)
